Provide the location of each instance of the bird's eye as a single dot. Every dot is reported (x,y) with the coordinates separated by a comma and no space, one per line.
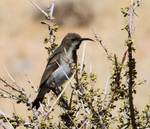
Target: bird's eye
(73,39)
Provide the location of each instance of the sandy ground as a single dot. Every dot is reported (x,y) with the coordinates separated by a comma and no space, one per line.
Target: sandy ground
(22,49)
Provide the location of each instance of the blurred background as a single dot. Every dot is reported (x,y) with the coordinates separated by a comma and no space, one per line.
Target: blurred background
(22,50)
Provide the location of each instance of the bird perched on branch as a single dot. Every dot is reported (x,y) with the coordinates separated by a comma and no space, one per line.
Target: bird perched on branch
(53,77)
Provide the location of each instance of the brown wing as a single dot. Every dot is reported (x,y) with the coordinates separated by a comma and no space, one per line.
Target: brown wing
(50,68)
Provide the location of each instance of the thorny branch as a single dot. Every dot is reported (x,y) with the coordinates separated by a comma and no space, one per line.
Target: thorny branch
(117,81)
(3,125)
(39,8)
(11,86)
(130,59)
(21,90)
(49,21)
(49,17)
(12,95)
(134,7)
(109,55)
(116,84)
(131,20)
(137,4)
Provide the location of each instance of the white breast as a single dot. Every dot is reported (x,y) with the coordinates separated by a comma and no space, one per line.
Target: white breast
(58,75)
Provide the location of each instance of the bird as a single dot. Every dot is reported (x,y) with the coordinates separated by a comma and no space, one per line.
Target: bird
(62,58)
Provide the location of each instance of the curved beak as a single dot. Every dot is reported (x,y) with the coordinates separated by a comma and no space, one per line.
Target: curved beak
(86,39)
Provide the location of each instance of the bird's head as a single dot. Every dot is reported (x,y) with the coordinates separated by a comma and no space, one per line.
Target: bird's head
(73,41)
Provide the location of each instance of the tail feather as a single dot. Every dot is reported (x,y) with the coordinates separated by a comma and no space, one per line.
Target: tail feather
(36,102)
(41,94)
(40,97)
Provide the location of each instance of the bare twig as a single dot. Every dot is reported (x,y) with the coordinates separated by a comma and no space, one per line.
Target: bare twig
(125,115)
(2,113)
(20,83)
(49,16)
(39,8)
(134,7)
(52,9)
(14,107)
(105,93)
(20,90)
(3,125)
(9,75)
(5,96)
(24,93)
(109,101)
(49,21)
(117,82)
(137,4)
(29,99)
(131,20)
(84,123)
(11,86)
(108,54)
(10,119)
(77,110)
(29,80)
(12,95)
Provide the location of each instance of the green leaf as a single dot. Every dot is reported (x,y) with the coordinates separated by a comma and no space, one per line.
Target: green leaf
(43,22)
